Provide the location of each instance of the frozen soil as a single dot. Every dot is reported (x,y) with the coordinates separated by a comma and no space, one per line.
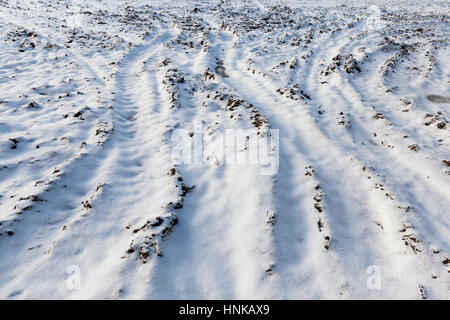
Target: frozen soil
(88,102)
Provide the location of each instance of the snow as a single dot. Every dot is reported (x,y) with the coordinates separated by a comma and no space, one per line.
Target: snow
(346,102)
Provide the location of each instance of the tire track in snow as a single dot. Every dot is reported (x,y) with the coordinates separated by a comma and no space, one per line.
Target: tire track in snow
(333,204)
(342,97)
(295,251)
(136,189)
(222,243)
(215,239)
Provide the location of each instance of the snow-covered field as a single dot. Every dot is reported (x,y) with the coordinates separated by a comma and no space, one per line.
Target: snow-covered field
(349,98)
